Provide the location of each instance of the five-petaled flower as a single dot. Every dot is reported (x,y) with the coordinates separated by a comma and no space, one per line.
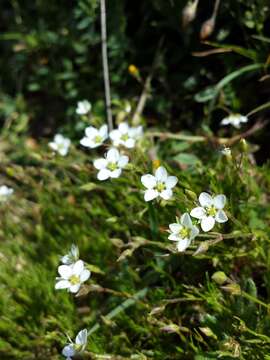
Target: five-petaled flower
(78,347)
(60,144)
(94,137)
(234,120)
(111,166)
(5,193)
(72,276)
(158,185)
(126,135)
(210,211)
(83,107)
(183,232)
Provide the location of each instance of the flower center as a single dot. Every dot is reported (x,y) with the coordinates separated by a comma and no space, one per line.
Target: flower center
(74,280)
(160,186)
(98,139)
(112,166)
(211,211)
(185,232)
(124,137)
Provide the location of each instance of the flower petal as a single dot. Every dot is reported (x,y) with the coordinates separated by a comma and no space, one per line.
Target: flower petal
(174,237)
(123,160)
(100,163)
(103,174)
(150,194)
(149,181)
(207,223)
(183,244)
(62,284)
(221,217)
(113,155)
(186,220)
(198,212)
(87,142)
(171,182)
(78,268)
(166,194)
(91,132)
(161,174)
(115,135)
(68,351)
(130,143)
(85,275)
(65,271)
(205,199)
(175,228)
(219,201)
(81,338)
(103,131)
(194,232)
(123,127)
(115,173)
(75,288)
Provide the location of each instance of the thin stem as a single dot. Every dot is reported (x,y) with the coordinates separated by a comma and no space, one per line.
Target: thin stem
(106,76)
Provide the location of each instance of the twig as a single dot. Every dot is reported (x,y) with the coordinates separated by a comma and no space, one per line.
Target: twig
(146,88)
(105,63)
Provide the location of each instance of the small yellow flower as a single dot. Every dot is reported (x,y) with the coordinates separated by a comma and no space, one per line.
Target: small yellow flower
(133,70)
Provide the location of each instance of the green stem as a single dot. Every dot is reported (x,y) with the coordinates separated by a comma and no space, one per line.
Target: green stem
(153,220)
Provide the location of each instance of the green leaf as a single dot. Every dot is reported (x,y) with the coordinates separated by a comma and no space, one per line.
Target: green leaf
(187,159)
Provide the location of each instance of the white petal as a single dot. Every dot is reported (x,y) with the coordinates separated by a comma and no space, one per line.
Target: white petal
(166,194)
(161,174)
(85,275)
(221,217)
(219,201)
(186,220)
(100,163)
(115,135)
(207,223)
(68,351)
(198,212)
(103,174)
(115,173)
(62,284)
(65,271)
(175,228)
(149,181)
(113,155)
(91,132)
(194,232)
(171,182)
(130,143)
(183,244)
(58,139)
(63,151)
(174,237)
(78,268)
(103,131)
(150,194)
(75,288)
(123,128)
(53,146)
(205,199)
(87,142)
(123,160)
(81,338)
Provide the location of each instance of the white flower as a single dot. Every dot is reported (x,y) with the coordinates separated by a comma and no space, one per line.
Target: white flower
(111,166)
(94,137)
(210,210)
(72,276)
(183,232)
(5,193)
(83,107)
(234,120)
(72,256)
(126,135)
(226,151)
(159,185)
(78,347)
(60,144)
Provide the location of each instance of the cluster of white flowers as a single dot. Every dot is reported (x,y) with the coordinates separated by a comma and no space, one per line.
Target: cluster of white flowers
(60,144)
(5,193)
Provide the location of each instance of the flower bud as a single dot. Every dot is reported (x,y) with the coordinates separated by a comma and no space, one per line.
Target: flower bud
(189,13)
(156,164)
(207,28)
(244,145)
(190,194)
(233,289)
(219,277)
(133,70)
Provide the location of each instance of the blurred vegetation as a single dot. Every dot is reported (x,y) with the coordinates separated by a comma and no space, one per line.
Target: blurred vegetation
(50,59)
